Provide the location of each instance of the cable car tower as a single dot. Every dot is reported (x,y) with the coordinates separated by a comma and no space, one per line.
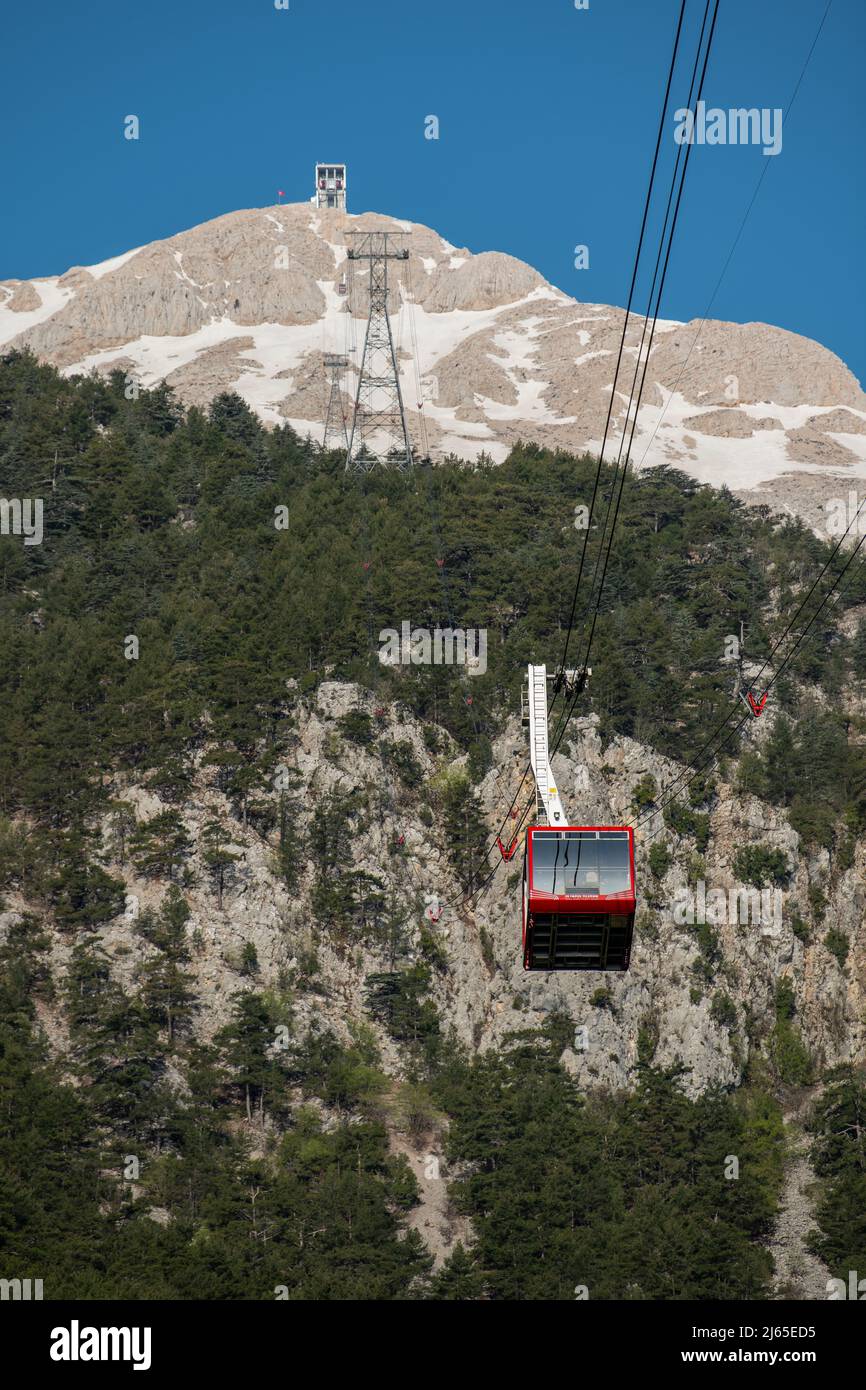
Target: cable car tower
(578,880)
(379,433)
(335,417)
(547,803)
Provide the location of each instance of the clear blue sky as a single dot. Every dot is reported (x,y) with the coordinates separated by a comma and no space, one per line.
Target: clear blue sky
(547,122)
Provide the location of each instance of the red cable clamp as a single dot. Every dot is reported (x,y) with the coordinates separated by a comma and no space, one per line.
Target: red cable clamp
(507,853)
(757,706)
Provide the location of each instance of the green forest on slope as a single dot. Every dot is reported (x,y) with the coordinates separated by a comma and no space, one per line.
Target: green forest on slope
(160,523)
(626,1197)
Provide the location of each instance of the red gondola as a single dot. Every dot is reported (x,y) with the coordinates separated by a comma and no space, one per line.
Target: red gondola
(578,897)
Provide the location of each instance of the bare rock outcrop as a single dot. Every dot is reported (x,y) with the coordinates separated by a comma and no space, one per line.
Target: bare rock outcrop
(678,1004)
(250,302)
(20,296)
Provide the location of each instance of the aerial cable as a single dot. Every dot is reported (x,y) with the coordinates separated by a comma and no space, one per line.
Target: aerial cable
(584,665)
(639,358)
(698,766)
(765,166)
(781,639)
(833,587)
(803,604)
(635,268)
(559,677)
(730,256)
(632,407)
(659,294)
(629,417)
(566,715)
(416,356)
(634,275)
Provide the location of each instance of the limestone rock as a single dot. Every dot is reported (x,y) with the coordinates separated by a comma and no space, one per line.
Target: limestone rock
(250,301)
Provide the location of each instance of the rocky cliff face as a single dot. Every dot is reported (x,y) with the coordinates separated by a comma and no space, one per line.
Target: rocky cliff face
(489,353)
(482,992)
(670,996)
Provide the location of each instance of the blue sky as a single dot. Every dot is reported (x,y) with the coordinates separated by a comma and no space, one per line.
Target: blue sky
(547,120)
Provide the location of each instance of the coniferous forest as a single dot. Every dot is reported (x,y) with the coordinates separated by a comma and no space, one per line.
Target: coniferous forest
(246,567)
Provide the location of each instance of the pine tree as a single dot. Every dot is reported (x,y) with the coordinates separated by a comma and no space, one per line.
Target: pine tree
(167,991)
(217,856)
(463,820)
(458,1279)
(158,847)
(80,892)
(121,822)
(290,855)
(858,651)
(244,1048)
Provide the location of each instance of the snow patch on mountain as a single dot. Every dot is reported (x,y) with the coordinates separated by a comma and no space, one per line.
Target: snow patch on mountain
(52,296)
(251,302)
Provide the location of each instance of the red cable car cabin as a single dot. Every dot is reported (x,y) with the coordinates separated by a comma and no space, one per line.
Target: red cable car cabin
(578,897)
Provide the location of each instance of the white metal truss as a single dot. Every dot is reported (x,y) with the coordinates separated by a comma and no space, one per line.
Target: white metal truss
(547,797)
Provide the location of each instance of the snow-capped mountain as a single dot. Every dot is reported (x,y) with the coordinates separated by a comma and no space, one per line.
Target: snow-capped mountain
(489,352)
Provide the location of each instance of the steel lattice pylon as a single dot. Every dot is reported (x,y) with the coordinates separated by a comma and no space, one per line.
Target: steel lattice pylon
(335,418)
(379,433)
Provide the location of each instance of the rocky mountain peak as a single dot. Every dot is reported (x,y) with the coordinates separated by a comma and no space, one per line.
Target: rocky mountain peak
(490,352)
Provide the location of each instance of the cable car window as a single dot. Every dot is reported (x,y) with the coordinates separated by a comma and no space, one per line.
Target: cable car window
(614,864)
